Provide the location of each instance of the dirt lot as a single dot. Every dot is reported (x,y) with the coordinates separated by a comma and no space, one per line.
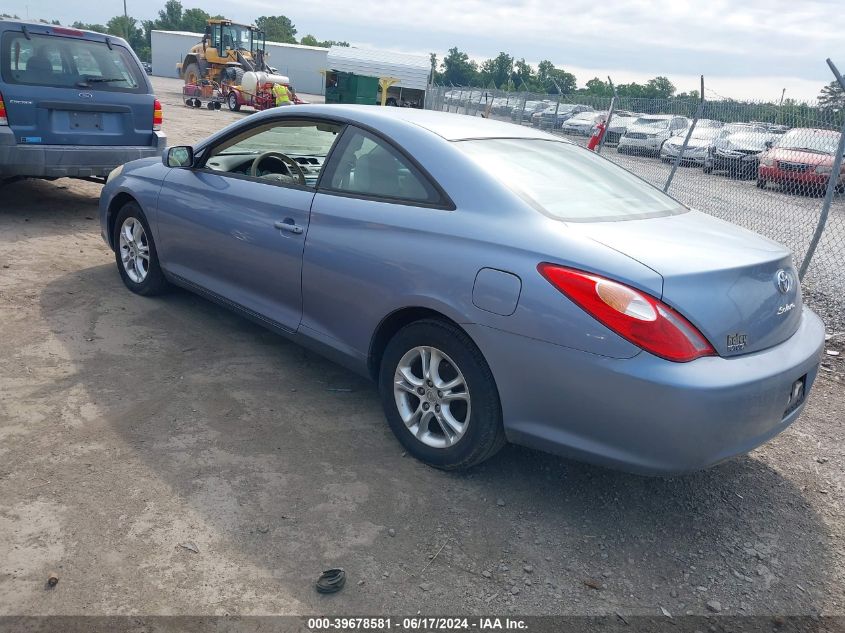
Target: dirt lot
(133,429)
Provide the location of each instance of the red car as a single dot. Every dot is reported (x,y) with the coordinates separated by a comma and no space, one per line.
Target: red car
(802,157)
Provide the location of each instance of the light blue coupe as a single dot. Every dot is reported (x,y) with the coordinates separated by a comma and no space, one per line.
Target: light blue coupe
(500,284)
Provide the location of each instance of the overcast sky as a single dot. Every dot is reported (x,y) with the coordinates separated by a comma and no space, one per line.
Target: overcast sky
(744,48)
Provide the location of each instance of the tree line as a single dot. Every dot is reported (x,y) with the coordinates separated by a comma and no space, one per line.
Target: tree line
(505,72)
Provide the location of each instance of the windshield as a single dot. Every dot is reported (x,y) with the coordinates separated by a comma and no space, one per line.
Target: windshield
(299,139)
(69,62)
(811,140)
(235,36)
(651,122)
(568,182)
(706,133)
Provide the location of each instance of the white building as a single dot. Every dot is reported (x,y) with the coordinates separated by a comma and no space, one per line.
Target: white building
(301,63)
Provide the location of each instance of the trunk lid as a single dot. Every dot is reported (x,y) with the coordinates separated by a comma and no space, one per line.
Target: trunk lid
(68,87)
(738,288)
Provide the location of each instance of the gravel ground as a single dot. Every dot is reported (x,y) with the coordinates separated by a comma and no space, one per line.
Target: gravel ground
(163,456)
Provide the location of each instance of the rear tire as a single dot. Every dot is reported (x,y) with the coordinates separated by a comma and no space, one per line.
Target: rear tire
(135,252)
(466,428)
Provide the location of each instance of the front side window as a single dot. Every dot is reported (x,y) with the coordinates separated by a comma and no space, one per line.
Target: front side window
(68,62)
(290,152)
(568,182)
(369,166)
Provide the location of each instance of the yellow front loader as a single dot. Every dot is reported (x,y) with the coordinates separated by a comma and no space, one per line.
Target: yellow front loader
(227,51)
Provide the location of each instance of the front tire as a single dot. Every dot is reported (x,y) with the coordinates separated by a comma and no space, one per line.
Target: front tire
(135,252)
(191,74)
(439,396)
(761,183)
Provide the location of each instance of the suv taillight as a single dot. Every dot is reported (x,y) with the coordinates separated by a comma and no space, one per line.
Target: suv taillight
(157,116)
(3,118)
(640,318)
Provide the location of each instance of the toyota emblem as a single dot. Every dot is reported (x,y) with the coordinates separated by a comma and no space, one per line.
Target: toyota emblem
(783,280)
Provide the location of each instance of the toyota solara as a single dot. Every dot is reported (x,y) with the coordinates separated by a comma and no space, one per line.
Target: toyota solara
(498,283)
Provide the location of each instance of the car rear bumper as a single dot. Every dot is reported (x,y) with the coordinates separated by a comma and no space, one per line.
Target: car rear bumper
(645,414)
(68,161)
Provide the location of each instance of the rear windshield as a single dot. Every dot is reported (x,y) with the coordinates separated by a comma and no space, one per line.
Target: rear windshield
(816,141)
(68,62)
(657,123)
(568,182)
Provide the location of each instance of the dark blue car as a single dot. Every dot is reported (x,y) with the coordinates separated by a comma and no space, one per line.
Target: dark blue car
(72,103)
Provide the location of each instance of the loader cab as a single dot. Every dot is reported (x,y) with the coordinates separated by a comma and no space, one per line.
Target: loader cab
(223,36)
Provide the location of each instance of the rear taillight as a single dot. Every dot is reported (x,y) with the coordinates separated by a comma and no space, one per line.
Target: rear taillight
(157,116)
(4,120)
(640,318)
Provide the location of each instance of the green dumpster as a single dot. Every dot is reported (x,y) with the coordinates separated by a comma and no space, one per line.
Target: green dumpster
(344,87)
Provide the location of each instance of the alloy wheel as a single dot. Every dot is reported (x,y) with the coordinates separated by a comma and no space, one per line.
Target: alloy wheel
(432,397)
(134,250)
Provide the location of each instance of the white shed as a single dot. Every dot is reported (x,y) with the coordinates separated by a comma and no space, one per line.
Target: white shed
(168,48)
(412,71)
(301,63)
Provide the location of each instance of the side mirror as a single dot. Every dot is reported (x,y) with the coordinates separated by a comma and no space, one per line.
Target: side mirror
(178,156)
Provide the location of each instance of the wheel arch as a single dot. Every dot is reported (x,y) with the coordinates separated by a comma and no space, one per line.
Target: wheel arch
(392,323)
(117,203)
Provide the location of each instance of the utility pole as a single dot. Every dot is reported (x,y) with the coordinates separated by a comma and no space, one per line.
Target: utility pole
(780,107)
(125,20)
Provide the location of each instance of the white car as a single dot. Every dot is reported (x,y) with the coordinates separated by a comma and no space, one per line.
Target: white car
(583,123)
(697,149)
(619,123)
(707,137)
(648,133)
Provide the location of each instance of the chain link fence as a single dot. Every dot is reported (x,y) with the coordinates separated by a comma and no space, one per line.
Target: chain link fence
(763,166)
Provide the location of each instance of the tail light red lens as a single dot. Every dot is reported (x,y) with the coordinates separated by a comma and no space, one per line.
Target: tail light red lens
(157,115)
(4,120)
(635,316)
(61,30)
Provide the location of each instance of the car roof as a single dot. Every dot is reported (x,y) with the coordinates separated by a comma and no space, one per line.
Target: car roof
(452,127)
(37,27)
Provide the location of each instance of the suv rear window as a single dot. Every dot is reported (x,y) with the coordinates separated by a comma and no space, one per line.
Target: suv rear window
(68,62)
(568,182)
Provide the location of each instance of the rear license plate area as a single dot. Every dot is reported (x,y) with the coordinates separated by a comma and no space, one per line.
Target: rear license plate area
(82,121)
(797,393)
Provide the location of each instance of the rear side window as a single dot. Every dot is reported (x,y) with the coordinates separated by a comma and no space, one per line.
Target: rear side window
(68,62)
(568,182)
(369,166)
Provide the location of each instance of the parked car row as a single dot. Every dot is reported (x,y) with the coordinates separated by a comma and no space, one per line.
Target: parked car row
(794,158)
(766,151)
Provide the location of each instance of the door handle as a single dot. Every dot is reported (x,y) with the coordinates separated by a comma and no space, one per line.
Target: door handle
(288,226)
